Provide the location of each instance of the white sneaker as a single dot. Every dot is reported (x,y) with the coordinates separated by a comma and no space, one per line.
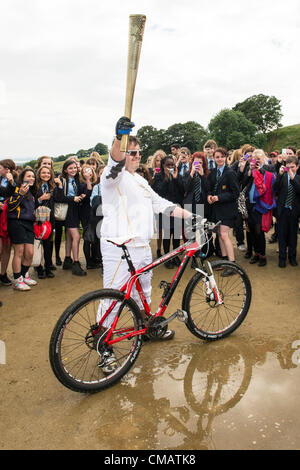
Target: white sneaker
(19,284)
(27,279)
(108,363)
(242,247)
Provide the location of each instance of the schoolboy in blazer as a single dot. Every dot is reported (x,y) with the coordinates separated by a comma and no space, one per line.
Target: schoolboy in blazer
(287,189)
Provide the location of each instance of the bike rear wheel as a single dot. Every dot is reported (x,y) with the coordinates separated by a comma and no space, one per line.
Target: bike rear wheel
(209,320)
(76,346)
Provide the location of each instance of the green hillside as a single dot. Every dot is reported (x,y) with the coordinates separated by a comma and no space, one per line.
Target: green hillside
(284,136)
(58,165)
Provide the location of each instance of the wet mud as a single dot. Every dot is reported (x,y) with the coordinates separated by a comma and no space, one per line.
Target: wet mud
(241,392)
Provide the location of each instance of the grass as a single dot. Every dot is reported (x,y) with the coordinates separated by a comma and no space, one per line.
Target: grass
(284,136)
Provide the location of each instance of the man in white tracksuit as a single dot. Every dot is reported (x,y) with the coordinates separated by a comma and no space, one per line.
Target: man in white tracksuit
(129,204)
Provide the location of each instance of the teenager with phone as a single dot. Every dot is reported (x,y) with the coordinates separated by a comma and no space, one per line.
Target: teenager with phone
(72,192)
(166,184)
(45,184)
(8,175)
(260,202)
(287,188)
(223,193)
(20,219)
(88,177)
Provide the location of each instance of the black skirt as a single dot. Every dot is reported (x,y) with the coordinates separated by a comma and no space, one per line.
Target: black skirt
(20,231)
(72,219)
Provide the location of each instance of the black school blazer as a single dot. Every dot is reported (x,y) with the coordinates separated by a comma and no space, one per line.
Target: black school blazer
(227,189)
(280,187)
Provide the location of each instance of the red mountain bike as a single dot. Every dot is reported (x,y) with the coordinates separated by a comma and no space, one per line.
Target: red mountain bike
(87,356)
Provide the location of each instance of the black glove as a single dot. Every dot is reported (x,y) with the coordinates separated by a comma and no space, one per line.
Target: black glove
(123,127)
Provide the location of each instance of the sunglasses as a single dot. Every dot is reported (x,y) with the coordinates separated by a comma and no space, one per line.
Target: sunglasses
(183,153)
(133,153)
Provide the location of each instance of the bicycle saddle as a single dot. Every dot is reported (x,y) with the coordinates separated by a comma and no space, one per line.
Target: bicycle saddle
(119,241)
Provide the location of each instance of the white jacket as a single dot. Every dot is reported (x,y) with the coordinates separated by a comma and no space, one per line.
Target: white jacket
(129,204)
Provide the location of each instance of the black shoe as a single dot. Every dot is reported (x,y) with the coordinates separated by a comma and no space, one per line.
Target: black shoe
(49,273)
(281,263)
(40,272)
(68,263)
(293,262)
(58,261)
(247,255)
(169,264)
(5,281)
(77,269)
(158,253)
(92,265)
(52,267)
(254,259)
(228,272)
(273,239)
(262,261)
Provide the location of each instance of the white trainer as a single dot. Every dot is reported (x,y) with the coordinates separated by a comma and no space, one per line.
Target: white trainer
(242,247)
(19,284)
(28,280)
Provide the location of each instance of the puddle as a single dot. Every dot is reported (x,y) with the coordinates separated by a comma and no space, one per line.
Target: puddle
(232,394)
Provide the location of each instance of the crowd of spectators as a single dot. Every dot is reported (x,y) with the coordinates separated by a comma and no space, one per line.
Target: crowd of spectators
(249,191)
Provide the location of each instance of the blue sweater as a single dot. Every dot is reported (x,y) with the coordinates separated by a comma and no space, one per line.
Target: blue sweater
(21,207)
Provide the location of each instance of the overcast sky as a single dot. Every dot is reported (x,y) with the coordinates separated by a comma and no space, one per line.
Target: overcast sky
(63,66)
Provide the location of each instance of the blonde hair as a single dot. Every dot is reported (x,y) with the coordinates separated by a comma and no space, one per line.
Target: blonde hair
(81,177)
(236,156)
(160,153)
(258,153)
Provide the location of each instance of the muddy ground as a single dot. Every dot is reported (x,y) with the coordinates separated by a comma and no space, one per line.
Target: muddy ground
(238,393)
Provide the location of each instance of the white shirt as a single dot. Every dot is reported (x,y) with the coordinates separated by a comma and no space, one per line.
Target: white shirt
(129,204)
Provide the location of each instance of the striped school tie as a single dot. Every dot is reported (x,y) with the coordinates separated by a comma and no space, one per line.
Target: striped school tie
(197,188)
(217,179)
(290,196)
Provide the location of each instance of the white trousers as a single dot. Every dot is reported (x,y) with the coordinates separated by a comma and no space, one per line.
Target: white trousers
(115,272)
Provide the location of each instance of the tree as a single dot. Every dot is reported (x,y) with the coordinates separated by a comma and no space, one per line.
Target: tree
(189,134)
(102,149)
(262,110)
(150,139)
(231,129)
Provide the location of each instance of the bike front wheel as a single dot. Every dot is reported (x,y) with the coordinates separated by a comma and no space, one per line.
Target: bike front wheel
(207,318)
(76,343)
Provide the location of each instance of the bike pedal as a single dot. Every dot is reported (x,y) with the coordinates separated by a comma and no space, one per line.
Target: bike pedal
(182,315)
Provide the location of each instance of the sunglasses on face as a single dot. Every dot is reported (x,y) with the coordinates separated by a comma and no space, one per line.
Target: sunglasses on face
(133,153)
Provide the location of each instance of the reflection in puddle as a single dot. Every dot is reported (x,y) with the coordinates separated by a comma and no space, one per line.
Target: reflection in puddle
(232,394)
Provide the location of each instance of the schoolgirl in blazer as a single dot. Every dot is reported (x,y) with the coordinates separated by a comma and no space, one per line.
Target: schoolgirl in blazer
(223,193)
(71,191)
(226,188)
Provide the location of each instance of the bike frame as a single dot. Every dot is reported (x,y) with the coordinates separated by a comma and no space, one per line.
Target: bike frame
(189,248)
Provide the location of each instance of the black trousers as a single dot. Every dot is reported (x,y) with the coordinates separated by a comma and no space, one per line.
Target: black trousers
(287,234)
(48,250)
(256,236)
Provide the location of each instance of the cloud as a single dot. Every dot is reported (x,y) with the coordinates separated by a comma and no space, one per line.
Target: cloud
(63,74)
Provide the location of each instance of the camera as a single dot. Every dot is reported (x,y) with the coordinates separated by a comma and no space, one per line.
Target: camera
(246,156)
